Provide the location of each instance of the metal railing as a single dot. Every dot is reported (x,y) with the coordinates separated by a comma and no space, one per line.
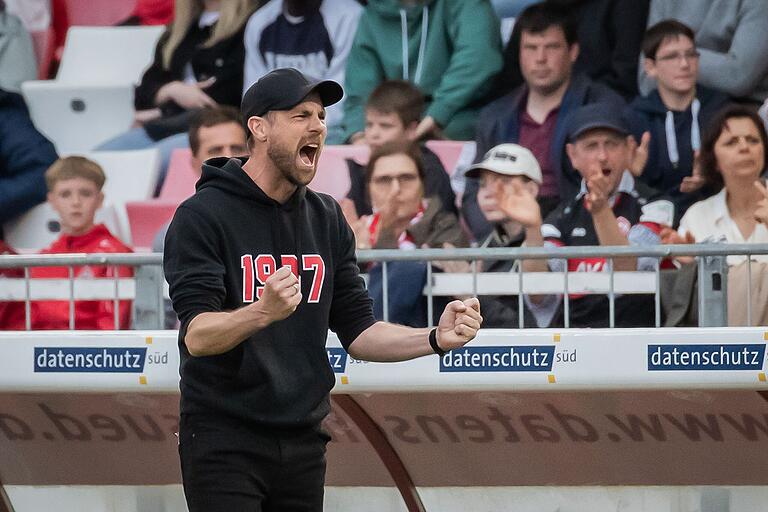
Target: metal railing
(147,288)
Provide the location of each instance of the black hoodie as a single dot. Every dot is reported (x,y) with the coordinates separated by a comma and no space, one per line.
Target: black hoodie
(648,113)
(219,249)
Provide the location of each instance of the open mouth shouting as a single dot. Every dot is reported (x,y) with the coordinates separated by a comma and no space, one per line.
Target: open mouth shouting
(308,154)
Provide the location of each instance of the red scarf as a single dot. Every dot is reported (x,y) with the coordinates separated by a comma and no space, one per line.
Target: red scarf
(405,240)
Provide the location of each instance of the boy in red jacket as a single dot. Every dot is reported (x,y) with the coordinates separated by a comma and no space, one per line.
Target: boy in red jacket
(74,191)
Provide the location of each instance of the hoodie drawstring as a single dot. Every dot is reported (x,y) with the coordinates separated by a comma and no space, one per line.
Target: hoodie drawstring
(695,130)
(422,44)
(669,129)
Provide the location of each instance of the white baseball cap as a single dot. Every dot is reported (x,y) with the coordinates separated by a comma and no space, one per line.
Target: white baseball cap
(510,160)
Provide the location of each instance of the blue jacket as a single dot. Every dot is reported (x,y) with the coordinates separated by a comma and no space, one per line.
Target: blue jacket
(499,122)
(648,113)
(25,155)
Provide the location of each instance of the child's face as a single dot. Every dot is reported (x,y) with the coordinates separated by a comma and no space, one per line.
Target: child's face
(381,128)
(676,66)
(76,201)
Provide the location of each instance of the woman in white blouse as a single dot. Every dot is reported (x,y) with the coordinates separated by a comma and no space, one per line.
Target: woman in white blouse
(733,160)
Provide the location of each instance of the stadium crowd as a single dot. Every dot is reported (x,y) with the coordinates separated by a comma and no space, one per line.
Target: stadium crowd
(595,123)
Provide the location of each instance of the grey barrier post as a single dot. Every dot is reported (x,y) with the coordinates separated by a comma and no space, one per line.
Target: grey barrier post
(148,308)
(713,291)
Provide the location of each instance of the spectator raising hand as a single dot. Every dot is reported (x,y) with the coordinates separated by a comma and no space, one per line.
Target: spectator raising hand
(359,224)
(695,181)
(761,212)
(671,237)
(640,154)
(598,189)
(518,203)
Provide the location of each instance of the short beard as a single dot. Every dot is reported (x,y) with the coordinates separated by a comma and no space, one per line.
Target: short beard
(550,89)
(284,160)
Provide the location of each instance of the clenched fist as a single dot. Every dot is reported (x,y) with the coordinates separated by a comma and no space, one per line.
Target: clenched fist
(458,324)
(281,295)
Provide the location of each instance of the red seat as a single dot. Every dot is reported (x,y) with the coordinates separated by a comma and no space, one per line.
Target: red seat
(332,175)
(98,12)
(448,151)
(332,172)
(180,180)
(146,218)
(42,40)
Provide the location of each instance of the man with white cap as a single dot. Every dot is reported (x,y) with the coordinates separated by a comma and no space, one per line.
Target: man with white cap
(510,177)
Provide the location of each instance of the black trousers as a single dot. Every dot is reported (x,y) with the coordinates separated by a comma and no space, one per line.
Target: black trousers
(229,466)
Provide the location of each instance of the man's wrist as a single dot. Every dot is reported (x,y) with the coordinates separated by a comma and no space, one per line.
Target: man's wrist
(434,343)
(257,317)
(533,236)
(602,212)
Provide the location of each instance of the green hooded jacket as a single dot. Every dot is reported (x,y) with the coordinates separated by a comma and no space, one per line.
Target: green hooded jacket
(454,52)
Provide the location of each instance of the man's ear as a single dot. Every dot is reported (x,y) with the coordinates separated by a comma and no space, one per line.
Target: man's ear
(574,52)
(649,65)
(101,199)
(410,130)
(259,128)
(196,163)
(570,150)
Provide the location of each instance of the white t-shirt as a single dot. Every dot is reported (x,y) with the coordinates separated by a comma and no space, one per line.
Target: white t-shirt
(709,221)
(317,45)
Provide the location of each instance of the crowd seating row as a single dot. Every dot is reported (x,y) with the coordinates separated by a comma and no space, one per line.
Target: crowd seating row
(135,217)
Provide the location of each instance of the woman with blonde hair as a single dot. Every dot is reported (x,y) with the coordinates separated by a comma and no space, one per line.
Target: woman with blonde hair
(198,63)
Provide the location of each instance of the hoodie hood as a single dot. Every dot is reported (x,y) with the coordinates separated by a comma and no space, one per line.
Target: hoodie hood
(392,8)
(414,19)
(652,104)
(227,174)
(653,107)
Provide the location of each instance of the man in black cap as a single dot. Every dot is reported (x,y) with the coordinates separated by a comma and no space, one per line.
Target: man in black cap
(260,267)
(610,209)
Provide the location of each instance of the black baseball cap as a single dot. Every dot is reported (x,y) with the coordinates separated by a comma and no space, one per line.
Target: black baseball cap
(593,116)
(283,89)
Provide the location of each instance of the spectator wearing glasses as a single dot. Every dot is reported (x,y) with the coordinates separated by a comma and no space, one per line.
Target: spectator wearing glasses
(392,115)
(673,114)
(403,218)
(732,39)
